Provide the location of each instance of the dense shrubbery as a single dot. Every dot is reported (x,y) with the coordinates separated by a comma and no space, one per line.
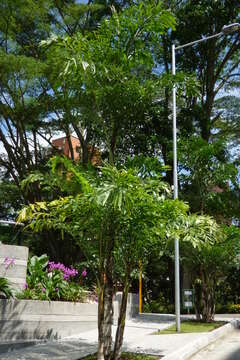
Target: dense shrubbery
(47,280)
(228,309)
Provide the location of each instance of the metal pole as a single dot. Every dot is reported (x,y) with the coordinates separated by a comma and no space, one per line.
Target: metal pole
(225,31)
(140,287)
(175,183)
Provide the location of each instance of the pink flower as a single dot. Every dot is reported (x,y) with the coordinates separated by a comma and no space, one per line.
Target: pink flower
(84,272)
(25,286)
(66,271)
(43,290)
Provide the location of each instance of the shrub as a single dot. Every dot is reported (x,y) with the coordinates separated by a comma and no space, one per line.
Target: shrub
(234,308)
(47,280)
(156,306)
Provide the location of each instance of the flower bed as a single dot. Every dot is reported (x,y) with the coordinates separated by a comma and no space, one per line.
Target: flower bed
(47,280)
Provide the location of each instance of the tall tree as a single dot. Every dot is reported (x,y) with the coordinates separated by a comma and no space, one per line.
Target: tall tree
(115,217)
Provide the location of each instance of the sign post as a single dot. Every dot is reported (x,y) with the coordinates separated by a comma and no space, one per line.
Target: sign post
(188,299)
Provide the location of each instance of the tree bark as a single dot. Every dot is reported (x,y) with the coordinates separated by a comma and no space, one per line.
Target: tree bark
(105,307)
(84,144)
(208,298)
(198,293)
(121,323)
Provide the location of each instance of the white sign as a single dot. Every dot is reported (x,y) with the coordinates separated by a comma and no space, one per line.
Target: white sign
(188,292)
(188,303)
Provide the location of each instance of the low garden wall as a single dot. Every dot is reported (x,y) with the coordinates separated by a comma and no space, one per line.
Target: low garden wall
(33,319)
(13,265)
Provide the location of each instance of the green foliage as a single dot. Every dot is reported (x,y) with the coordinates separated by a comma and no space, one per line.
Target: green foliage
(5,289)
(44,283)
(208,252)
(11,199)
(192,327)
(37,270)
(208,178)
(134,205)
(159,306)
(233,308)
(114,65)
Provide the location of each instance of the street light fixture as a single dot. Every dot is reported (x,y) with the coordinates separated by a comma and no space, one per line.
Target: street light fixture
(227,29)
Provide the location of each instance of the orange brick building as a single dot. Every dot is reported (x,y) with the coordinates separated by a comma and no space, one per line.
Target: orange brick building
(62,145)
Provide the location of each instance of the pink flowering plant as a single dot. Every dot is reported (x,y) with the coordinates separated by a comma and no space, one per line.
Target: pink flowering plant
(47,280)
(8,262)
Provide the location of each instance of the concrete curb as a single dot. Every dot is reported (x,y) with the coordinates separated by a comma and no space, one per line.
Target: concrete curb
(154,317)
(188,350)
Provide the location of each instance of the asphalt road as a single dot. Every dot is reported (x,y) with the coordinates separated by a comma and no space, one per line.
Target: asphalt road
(226,348)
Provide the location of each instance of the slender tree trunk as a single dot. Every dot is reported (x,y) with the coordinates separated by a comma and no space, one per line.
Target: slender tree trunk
(108,317)
(100,355)
(105,307)
(84,144)
(121,323)
(68,135)
(198,293)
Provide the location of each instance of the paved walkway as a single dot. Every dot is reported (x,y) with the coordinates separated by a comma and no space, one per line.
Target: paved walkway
(226,348)
(138,337)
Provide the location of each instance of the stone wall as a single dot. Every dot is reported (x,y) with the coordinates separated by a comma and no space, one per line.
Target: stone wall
(13,265)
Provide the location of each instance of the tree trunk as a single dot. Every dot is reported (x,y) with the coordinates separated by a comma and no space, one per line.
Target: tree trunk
(84,145)
(208,298)
(105,307)
(198,293)
(100,355)
(121,323)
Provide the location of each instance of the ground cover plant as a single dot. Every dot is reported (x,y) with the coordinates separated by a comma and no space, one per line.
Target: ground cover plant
(47,280)
(5,288)
(127,356)
(192,326)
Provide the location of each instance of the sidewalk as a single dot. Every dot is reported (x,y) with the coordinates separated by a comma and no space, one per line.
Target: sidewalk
(138,338)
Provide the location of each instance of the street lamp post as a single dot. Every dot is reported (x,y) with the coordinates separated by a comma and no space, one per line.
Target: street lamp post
(227,29)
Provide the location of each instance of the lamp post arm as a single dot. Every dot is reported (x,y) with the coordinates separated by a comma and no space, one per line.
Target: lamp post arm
(198,41)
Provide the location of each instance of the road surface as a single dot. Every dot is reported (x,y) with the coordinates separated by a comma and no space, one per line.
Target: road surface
(226,348)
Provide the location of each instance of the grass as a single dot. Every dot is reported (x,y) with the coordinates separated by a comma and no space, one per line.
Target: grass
(191,326)
(126,356)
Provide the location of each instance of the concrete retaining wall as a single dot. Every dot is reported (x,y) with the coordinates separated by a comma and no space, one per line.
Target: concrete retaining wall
(32,319)
(132,305)
(16,271)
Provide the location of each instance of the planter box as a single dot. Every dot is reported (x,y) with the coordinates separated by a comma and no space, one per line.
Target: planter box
(32,319)
(15,273)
